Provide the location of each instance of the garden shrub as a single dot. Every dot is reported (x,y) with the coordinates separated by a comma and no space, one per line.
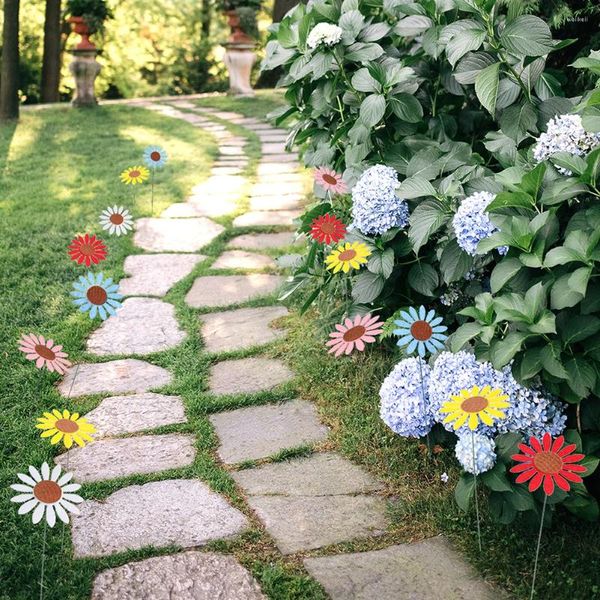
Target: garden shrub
(474,188)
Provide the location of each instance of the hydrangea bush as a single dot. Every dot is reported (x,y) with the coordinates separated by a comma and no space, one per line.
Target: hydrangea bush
(474,185)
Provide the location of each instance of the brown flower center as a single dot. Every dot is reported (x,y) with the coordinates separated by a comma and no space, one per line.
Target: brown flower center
(155,156)
(47,492)
(548,462)
(116,219)
(328,227)
(330,179)
(134,173)
(97,295)
(66,426)
(421,330)
(474,404)
(347,255)
(86,249)
(45,352)
(354,333)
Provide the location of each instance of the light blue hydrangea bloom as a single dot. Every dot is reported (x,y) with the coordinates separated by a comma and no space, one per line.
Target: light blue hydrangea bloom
(96,295)
(421,331)
(472,223)
(375,206)
(485,457)
(530,412)
(404,404)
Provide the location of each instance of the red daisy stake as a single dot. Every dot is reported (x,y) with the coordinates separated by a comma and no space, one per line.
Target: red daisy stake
(327,229)
(87,249)
(549,463)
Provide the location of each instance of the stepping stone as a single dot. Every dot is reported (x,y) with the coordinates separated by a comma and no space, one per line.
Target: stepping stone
(314,502)
(224,114)
(226,171)
(201,207)
(179,512)
(113,377)
(260,217)
(272,137)
(220,184)
(183,104)
(272,188)
(240,329)
(272,168)
(169,235)
(188,575)
(426,570)
(274,148)
(141,326)
(156,274)
(231,150)
(289,202)
(247,376)
(282,178)
(118,415)
(229,163)
(260,431)
(240,259)
(281,157)
(222,290)
(258,241)
(120,457)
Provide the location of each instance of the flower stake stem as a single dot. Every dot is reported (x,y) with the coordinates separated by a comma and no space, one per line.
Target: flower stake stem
(475,492)
(152,192)
(423,395)
(43,562)
(537,550)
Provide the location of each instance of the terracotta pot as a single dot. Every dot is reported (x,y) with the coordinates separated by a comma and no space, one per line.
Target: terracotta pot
(238,35)
(79,26)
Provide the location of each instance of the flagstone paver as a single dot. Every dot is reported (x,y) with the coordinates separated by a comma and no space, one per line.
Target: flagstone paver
(113,377)
(169,235)
(221,290)
(141,326)
(240,329)
(258,241)
(427,570)
(188,575)
(156,274)
(313,502)
(118,415)
(119,457)
(181,512)
(260,431)
(240,259)
(247,375)
(205,207)
(266,169)
(278,203)
(278,188)
(255,218)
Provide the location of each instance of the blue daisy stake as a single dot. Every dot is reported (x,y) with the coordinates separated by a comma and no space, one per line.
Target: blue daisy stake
(96,295)
(155,157)
(420,331)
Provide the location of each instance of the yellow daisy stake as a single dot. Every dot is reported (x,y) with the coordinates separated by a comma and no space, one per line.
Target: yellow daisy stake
(135,175)
(471,408)
(348,256)
(65,427)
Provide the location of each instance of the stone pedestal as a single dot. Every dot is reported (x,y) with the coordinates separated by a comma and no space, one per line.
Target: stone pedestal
(239,59)
(85,69)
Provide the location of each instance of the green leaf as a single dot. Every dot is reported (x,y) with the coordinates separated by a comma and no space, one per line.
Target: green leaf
(424,163)
(486,87)
(582,376)
(550,357)
(381,262)
(578,281)
(425,220)
(465,333)
(573,163)
(527,35)
(578,327)
(454,262)
(465,488)
(503,351)
(496,479)
(364,82)
(562,296)
(463,42)
(367,286)
(413,25)
(415,187)
(591,175)
(471,65)
(372,109)
(363,52)
(423,278)
(532,181)
(562,256)
(511,200)
(374,32)
(503,272)
(559,190)
(406,107)
(351,23)
(517,120)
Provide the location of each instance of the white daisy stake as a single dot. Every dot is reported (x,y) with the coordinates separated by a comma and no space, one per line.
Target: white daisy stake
(116,220)
(48,495)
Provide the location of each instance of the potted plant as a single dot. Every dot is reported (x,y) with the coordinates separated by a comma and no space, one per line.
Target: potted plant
(86,18)
(241,17)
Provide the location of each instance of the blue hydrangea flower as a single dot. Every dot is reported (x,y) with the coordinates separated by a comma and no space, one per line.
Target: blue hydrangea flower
(420,331)
(485,457)
(375,206)
(565,133)
(530,413)
(405,407)
(155,157)
(472,223)
(96,295)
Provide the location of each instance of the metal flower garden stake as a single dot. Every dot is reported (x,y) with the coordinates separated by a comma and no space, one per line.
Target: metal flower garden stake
(547,463)
(155,158)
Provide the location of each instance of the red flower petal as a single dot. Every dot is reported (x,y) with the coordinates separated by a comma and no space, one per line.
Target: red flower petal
(535,444)
(558,443)
(574,468)
(526,449)
(535,483)
(567,450)
(547,444)
(548,485)
(573,458)
(521,458)
(562,483)
(571,476)
(520,468)
(526,476)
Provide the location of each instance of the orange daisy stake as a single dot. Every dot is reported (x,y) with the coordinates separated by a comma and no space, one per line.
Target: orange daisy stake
(548,463)
(87,249)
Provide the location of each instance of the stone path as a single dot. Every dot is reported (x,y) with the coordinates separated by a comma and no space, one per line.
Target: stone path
(305,503)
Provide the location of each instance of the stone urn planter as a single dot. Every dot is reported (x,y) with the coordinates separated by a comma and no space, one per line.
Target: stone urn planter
(79,26)
(237,35)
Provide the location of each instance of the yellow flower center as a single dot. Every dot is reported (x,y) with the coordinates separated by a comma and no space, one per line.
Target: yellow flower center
(354,333)
(45,352)
(421,330)
(47,492)
(474,404)
(347,255)
(97,295)
(66,425)
(548,462)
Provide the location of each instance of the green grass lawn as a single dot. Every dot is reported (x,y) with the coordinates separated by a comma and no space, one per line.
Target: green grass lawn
(54,184)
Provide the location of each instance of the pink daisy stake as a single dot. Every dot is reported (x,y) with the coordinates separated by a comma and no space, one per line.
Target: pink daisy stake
(330,181)
(44,352)
(354,334)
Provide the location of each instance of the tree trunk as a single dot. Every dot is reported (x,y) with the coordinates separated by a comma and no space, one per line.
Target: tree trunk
(9,73)
(205,16)
(51,64)
(281,7)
